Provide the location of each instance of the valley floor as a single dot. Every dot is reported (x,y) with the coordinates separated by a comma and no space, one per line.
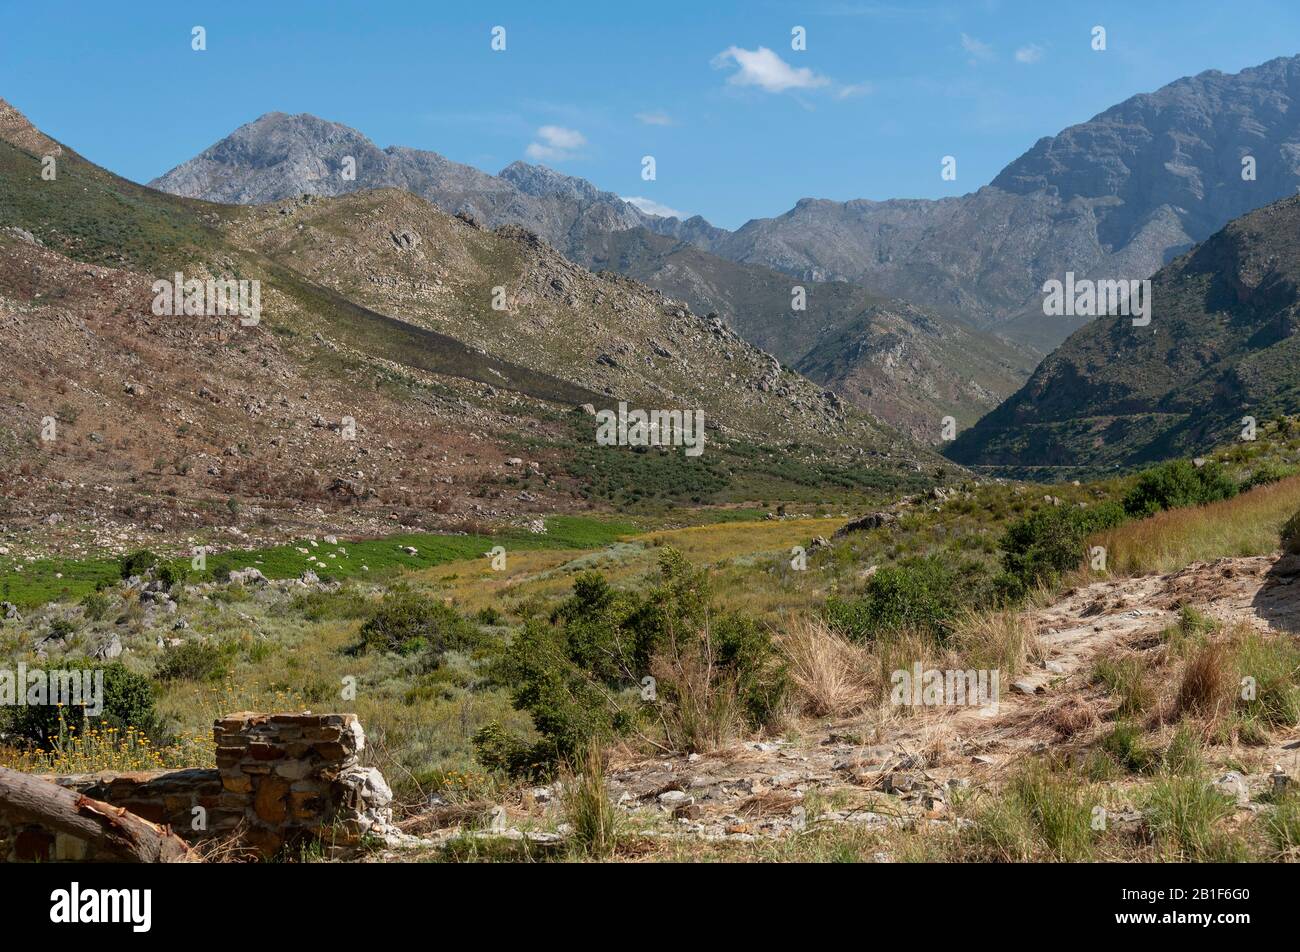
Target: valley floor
(915,785)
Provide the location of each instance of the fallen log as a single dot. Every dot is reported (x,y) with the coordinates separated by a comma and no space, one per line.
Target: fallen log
(114,834)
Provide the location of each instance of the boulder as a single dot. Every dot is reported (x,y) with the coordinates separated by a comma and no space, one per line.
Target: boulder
(872,520)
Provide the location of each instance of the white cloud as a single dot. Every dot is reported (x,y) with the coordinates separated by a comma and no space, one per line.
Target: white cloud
(651,207)
(656,118)
(978,49)
(1029,54)
(763,68)
(855,89)
(557,143)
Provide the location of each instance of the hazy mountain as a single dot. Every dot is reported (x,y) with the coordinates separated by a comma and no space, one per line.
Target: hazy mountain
(1116,196)
(1221,346)
(904,364)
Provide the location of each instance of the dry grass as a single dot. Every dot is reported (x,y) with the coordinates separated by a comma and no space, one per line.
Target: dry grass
(831,675)
(703,710)
(1245,525)
(1074,716)
(548,573)
(1209,682)
(994,640)
(587,807)
(899,650)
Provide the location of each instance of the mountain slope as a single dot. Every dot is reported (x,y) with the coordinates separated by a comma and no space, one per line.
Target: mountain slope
(903,364)
(1221,346)
(1116,196)
(280,157)
(197,417)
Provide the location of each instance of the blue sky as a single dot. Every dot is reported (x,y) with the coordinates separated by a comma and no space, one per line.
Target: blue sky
(740,124)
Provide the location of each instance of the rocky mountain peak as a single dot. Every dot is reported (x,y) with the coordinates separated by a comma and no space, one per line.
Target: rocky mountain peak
(540,181)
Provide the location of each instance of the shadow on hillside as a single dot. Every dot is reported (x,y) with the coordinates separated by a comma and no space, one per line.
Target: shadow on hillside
(1278,599)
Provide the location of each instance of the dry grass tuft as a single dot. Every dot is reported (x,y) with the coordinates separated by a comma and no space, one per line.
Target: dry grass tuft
(1209,683)
(1073,717)
(1244,525)
(587,806)
(994,640)
(830,674)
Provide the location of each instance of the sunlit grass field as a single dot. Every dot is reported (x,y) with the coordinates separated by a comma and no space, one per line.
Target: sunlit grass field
(1244,525)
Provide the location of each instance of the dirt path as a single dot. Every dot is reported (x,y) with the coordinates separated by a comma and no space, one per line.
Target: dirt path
(900,768)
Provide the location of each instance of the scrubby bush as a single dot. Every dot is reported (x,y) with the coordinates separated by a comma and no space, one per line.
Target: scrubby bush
(407,622)
(1266,475)
(1049,542)
(921,593)
(128,701)
(138,563)
(62,628)
(95,605)
(490,616)
(716,681)
(194,661)
(1177,483)
(171,575)
(346,602)
(584,673)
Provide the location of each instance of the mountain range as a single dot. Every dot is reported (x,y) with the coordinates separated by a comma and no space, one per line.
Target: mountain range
(1221,347)
(1116,196)
(920,365)
(407,365)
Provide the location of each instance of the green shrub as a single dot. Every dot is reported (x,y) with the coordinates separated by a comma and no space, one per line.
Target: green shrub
(1177,483)
(138,563)
(1266,475)
(1049,542)
(569,707)
(95,605)
(490,616)
(923,593)
(194,661)
(579,673)
(406,622)
(171,575)
(62,628)
(128,701)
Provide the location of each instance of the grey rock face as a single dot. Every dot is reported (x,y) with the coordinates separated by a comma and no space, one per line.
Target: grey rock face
(279,156)
(1117,196)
